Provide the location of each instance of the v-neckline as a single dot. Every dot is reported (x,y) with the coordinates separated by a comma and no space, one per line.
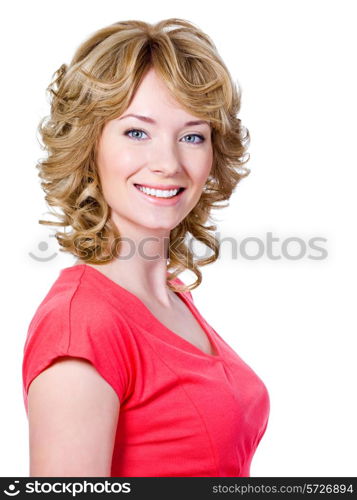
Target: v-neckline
(189,304)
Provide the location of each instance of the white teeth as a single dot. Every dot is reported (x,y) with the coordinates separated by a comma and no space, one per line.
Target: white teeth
(158,192)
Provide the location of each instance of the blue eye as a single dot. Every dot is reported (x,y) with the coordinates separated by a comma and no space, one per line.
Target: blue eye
(136,130)
(195,135)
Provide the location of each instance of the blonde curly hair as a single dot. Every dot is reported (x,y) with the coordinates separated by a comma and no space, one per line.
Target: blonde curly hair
(97,86)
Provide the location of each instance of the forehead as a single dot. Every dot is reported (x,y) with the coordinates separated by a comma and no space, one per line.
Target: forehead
(154,102)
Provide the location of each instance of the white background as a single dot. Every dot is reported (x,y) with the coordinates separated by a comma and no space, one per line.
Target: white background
(292,321)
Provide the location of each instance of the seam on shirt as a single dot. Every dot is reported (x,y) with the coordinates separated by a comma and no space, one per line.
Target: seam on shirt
(123,385)
(199,414)
(226,366)
(27,378)
(70,309)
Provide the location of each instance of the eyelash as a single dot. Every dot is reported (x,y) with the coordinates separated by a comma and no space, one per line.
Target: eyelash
(189,135)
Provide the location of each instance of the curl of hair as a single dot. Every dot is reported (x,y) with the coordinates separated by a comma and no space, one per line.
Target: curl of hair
(98,85)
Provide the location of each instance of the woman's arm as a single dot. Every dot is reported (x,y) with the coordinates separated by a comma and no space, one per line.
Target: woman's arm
(73,414)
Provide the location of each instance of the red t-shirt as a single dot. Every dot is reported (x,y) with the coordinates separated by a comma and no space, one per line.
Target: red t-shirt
(182,412)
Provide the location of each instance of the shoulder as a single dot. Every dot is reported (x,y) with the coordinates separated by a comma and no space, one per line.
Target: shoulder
(73,320)
(74,300)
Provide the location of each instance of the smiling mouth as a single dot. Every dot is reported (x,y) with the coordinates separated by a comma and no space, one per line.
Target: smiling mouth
(160,193)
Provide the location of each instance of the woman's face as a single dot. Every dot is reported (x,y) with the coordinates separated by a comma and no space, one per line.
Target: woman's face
(161,151)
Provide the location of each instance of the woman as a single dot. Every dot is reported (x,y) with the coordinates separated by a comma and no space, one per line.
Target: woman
(122,375)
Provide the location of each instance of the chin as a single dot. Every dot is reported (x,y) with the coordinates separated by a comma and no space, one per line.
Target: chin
(160,227)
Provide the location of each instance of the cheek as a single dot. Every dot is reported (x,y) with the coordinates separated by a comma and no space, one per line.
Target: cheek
(205,168)
(115,164)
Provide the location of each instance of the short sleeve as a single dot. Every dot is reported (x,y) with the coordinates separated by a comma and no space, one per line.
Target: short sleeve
(78,325)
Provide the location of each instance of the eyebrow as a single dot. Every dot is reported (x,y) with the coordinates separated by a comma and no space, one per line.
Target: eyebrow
(151,120)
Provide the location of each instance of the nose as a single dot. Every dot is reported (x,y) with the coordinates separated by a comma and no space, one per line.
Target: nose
(166,160)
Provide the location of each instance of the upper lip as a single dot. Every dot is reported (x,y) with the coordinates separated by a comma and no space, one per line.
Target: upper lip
(160,186)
